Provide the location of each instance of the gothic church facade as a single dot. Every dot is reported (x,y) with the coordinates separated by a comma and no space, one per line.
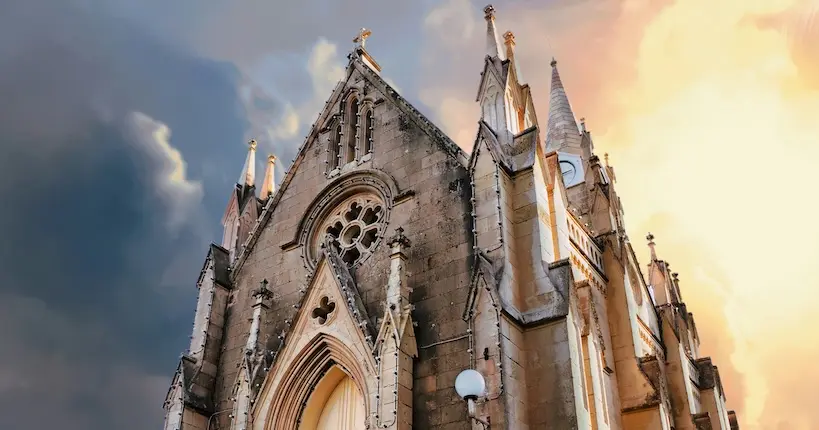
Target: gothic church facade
(388,261)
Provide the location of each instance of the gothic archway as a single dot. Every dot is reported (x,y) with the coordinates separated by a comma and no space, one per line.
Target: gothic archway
(311,379)
(335,404)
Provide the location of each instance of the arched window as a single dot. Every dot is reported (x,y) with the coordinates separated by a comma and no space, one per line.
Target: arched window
(352,130)
(335,404)
(490,113)
(368,131)
(334,148)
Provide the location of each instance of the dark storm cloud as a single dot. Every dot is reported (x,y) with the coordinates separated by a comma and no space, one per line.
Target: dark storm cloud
(271,41)
(100,103)
(102,240)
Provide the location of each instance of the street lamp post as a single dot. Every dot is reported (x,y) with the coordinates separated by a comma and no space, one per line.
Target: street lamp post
(471,386)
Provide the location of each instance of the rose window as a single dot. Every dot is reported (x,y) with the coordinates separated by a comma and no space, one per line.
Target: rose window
(354,227)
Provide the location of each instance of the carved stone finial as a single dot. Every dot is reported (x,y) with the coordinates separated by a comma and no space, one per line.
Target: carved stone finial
(554,62)
(399,239)
(650,239)
(361,37)
(262,292)
(509,38)
(489,12)
(252,144)
(606,157)
(675,275)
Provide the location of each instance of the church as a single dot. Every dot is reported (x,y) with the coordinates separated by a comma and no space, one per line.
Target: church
(394,281)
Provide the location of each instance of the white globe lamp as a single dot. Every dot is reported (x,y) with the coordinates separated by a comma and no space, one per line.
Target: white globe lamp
(470,384)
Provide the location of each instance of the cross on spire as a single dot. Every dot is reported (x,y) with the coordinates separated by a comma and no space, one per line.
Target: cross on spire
(361,37)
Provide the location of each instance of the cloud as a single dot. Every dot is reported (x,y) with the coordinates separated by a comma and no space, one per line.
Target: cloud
(692,122)
(281,130)
(738,104)
(180,194)
(68,368)
(96,298)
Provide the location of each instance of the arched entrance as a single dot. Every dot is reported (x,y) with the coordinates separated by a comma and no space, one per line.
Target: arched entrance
(335,404)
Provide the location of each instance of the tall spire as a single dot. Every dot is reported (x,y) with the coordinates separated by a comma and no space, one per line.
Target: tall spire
(492,46)
(650,239)
(269,184)
(248,177)
(509,43)
(562,133)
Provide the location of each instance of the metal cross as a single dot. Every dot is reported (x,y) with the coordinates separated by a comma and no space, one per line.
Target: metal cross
(362,36)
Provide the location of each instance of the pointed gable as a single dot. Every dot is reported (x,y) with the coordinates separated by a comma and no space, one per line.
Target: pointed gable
(332,326)
(383,92)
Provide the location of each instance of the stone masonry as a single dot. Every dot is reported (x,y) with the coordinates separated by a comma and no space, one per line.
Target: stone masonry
(512,260)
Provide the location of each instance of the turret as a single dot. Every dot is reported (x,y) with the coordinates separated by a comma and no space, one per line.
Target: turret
(243,193)
(492,45)
(562,133)
(269,184)
(506,103)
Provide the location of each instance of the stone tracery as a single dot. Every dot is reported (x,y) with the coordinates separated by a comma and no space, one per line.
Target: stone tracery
(353,227)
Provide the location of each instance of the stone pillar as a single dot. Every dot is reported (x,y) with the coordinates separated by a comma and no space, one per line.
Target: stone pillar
(397,345)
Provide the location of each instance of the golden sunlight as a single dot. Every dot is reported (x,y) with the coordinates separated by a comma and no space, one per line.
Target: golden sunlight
(717,139)
(710,111)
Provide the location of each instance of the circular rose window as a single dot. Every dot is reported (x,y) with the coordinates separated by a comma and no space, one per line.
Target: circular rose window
(353,228)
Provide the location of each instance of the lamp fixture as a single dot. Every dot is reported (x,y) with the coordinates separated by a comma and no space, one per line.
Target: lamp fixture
(471,386)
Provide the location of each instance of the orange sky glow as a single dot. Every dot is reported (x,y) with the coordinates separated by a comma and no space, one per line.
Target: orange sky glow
(709,110)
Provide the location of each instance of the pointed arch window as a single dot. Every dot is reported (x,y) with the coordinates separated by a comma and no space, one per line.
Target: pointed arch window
(491,110)
(352,130)
(368,131)
(334,148)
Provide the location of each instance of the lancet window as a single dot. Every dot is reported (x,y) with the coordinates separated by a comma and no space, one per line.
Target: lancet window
(352,136)
(368,131)
(352,130)
(334,147)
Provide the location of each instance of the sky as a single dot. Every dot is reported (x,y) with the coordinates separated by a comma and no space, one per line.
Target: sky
(123,127)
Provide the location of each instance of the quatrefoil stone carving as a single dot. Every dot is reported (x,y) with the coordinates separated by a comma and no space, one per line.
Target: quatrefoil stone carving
(322,312)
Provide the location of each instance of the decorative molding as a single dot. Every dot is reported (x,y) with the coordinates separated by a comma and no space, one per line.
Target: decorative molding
(361,181)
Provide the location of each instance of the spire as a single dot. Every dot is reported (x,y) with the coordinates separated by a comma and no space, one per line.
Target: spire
(650,239)
(248,177)
(562,133)
(509,43)
(269,184)
(397,290)
(261,298)
(492,48)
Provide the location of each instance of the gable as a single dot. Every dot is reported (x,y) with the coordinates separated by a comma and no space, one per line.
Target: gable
(232,206)
(312,154)
(491,74)
(487,139)
(327,314)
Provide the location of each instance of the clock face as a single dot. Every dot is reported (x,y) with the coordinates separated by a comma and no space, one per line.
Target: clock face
(569,171)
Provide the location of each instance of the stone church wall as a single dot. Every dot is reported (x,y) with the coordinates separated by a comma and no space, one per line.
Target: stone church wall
(437,220)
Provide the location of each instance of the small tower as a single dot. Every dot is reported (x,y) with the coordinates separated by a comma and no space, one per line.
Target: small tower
(269,184)
(243,192)
(492,45)
(562,133)
(506,103)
